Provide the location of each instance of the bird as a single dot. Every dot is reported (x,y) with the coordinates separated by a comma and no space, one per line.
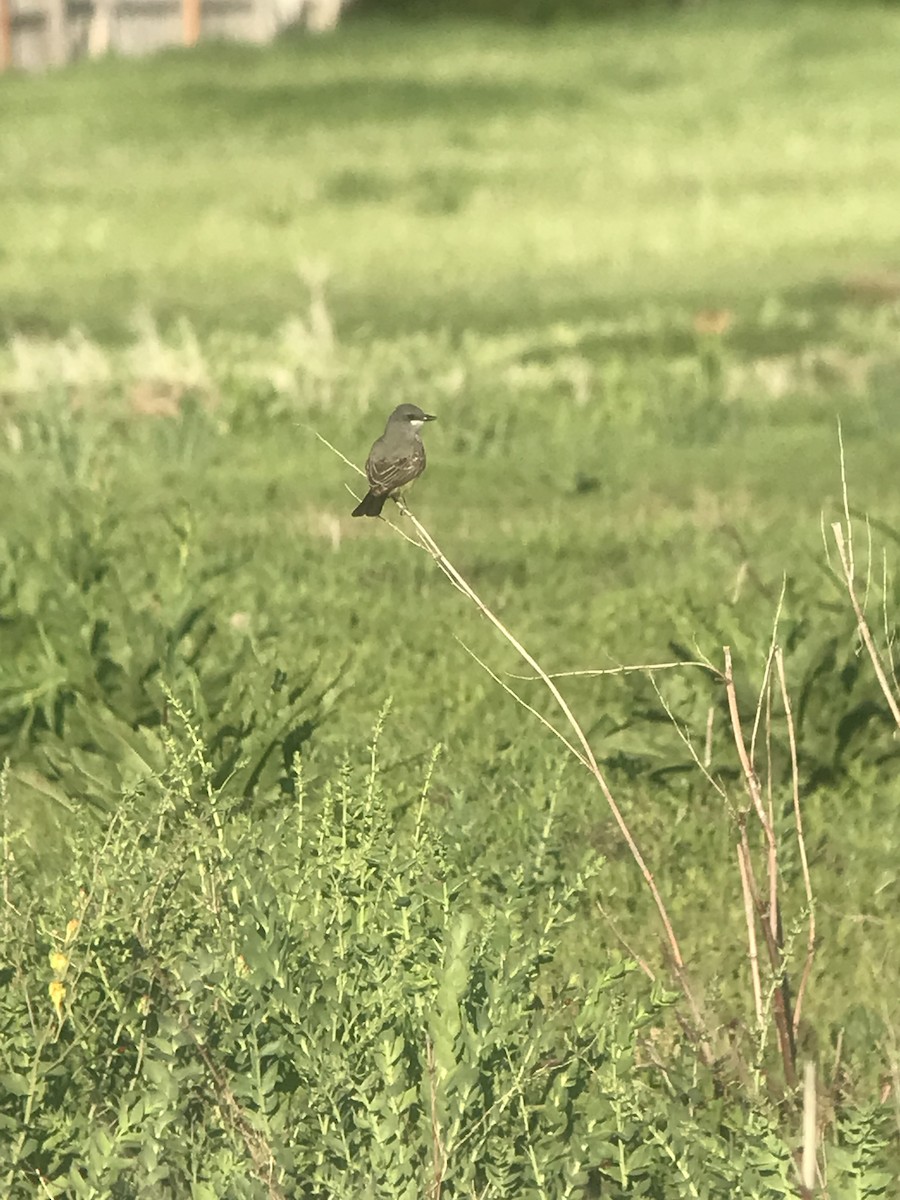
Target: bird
(395,460)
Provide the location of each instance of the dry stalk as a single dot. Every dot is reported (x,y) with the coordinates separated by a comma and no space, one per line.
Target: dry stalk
(751,778)
(257,1147)
(255,1143)
(844,549)
(769,921)
(843,538)
(438,1148)
(750,918)
(702,764)
(810,1131)
(641,962)
(627,669)
(585,755)
(801,840)
(528,707)
(764,687)
(772,863)
(708,744)
(889,635)
(836,1065)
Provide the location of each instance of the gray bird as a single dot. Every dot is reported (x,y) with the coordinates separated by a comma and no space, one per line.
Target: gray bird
(396,459)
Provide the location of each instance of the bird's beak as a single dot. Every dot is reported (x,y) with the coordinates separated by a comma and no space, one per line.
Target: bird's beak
(430,417)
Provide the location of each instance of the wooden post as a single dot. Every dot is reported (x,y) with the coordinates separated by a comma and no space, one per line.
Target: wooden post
(190,20)
(55,25)
(100,28)
(5,35)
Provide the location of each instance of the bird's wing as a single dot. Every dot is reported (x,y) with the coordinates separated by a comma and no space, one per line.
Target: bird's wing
(386,473)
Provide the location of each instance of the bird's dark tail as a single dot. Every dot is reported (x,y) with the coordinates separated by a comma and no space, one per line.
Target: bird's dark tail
(370,505)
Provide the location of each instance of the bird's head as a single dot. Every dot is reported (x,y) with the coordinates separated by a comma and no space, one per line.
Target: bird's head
(409,414)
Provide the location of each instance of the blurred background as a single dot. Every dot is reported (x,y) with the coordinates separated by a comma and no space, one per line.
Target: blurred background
(642,260)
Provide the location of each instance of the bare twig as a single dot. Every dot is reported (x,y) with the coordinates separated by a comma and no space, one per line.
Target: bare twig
(868,588)
(233,1113)
(438,1148)
(763,687)
(846,498)
(528,708)
(642,963)
(826,543)
(889,634)
(801,840)
(838,1049)
(334,450)
(843,537)
(844,548)
(750,777)
(810,1131)
(771,860)
(708,743)
(625,670)
(686,738)
(770,922)
(585,755)
(750,918)
(740,577)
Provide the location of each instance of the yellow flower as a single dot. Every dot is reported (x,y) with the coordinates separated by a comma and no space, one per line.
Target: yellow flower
(72,929)
(57,992)
(58,962)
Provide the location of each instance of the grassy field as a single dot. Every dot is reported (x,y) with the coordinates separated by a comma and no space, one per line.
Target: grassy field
(640,270)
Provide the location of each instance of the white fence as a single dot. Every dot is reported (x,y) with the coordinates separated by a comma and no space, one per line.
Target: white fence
(41,33)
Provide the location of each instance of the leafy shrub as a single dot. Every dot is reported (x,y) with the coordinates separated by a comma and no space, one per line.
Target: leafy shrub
(307,1004)
(316,1001)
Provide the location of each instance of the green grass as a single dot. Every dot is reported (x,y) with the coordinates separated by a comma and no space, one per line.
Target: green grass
(517,229)
(456,178)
